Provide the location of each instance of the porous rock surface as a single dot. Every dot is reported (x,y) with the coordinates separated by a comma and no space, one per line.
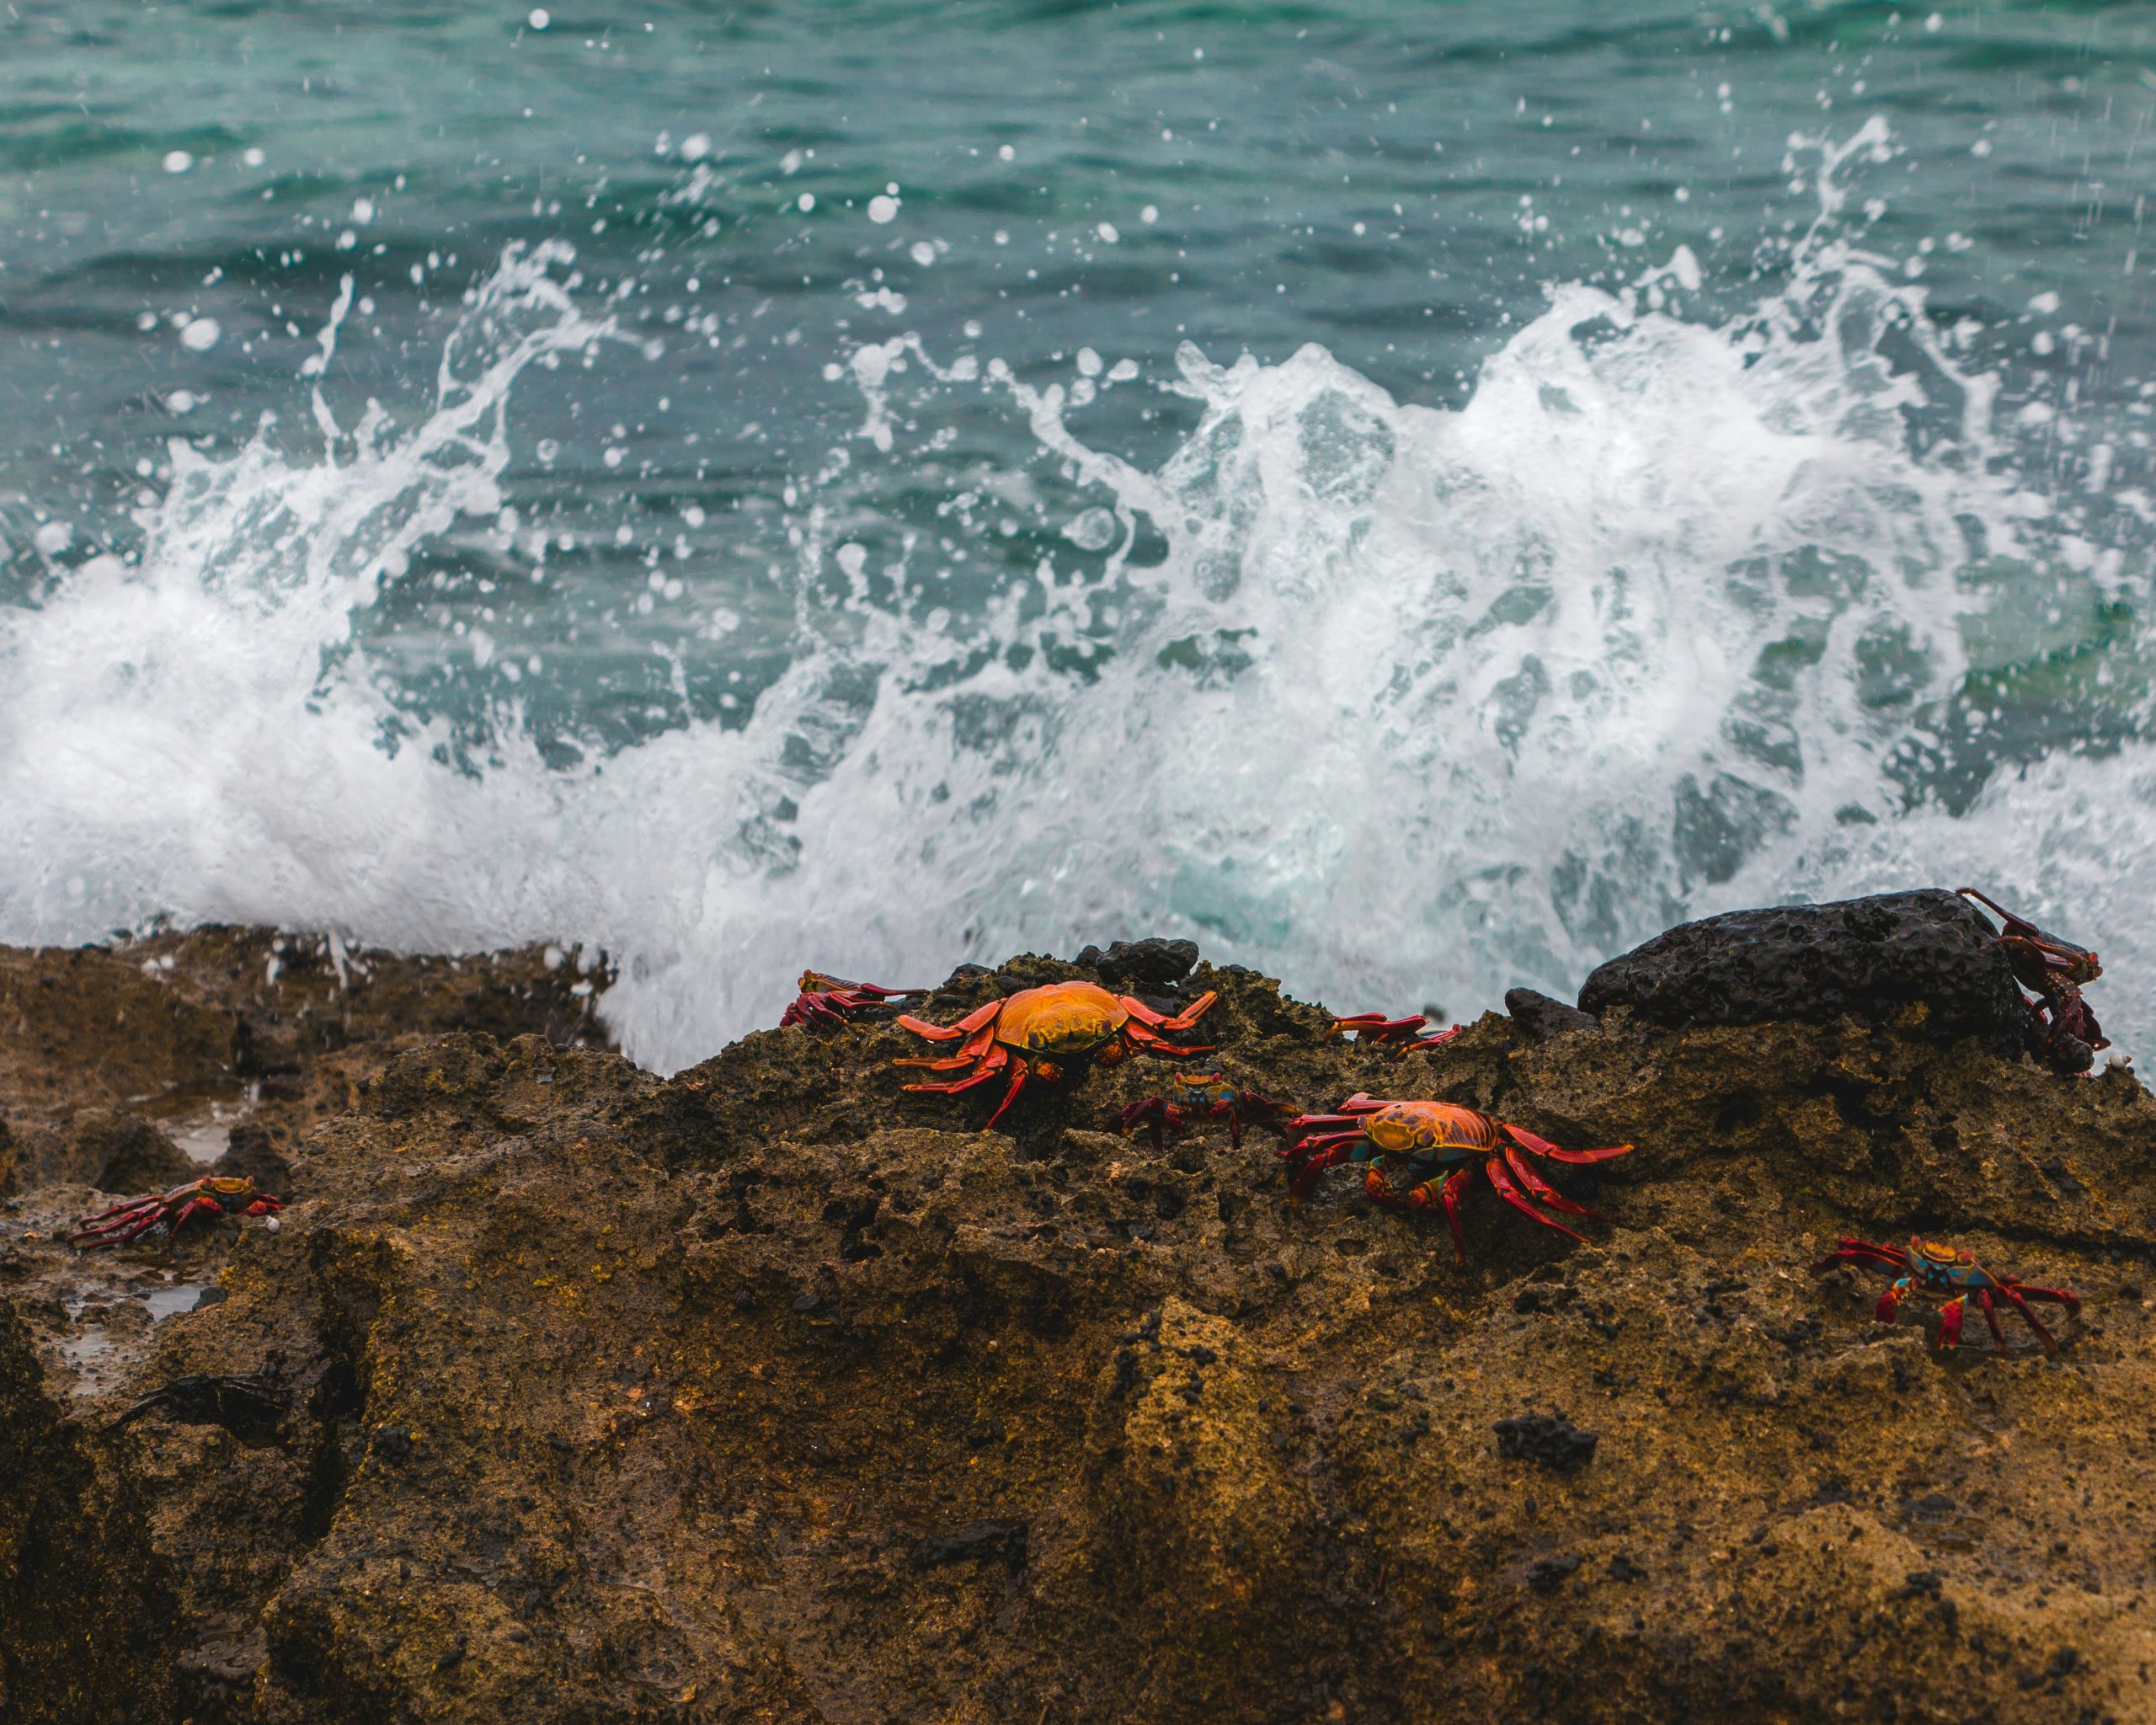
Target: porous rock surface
(564,1393)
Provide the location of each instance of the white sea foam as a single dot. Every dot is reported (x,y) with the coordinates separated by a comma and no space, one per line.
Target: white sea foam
(1418,705)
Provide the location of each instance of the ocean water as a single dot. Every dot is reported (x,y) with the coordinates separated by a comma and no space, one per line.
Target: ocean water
(1415,498)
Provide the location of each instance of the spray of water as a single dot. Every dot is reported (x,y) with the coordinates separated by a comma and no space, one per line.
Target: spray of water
(1406,706)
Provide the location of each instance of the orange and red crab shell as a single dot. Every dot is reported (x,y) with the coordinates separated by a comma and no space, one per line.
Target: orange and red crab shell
(1435,1146)
(1039,1031)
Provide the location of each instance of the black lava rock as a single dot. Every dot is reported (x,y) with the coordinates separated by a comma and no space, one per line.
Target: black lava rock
(1545,1575)
(985,1540)
(1142,963)
(1867,958)
(1547,1440)
(1543,1017)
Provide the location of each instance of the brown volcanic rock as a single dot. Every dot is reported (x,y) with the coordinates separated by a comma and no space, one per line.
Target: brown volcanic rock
(771,1391)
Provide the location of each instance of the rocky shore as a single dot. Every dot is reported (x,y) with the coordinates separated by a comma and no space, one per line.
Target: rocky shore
(564,1393)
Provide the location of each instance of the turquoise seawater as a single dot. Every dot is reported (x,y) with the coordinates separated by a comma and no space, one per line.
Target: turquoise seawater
(1417,497)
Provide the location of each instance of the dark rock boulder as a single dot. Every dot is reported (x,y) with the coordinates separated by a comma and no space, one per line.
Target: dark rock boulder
(1142,963)
(121,1152)
(252,1154)
(1868,958)
(1542,1018)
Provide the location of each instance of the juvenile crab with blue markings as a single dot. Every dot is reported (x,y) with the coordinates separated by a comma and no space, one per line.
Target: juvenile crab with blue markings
(1932,1267)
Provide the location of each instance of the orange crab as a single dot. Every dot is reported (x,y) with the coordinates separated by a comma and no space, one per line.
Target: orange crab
(1418,1155)
(1040,1032)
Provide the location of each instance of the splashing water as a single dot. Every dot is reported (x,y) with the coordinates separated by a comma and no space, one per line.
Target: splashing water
(1406,706)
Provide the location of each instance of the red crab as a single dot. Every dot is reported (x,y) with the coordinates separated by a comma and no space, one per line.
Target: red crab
(1406,1146)
(1200,1096)
(2067,1033)
(1038,1032)
(832,999)
(168,1212)
(1381,1032)
(1939,1269)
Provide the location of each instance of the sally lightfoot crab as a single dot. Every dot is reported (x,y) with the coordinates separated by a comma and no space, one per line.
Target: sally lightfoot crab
(168,1212)
(1200,1096)
(832,999)
(1934,1268)
(2066,1031)
(1041,1033)
(1407,1148)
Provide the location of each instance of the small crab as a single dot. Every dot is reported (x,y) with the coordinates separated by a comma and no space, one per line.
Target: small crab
(1040,1032)
(2066,1031)
(1405,1147)
(1939,1268)
(832,999)
(168,1212)
(1200,1096)
(1399,1033)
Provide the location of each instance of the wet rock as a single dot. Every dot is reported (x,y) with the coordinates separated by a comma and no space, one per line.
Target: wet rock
(1543,1017)
(121,1153)
(1926,955)
(252,1154)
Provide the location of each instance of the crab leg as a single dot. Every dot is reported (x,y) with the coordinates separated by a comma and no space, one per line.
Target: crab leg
(1950,1323)
(953,1088)
(114,1217)
(951,1032)
(969,1051)
(1891,1300)
(121,1225)
(2057,954)
(1451,1193)
(1375,1028)
(1990,1317)
(1511,1194)
(1018,1083)
(1141,1036)
(1888,1258)
(2029,1318)
(1544,1192)
(2062,1296)
(1322,1141)
(991,1063)
(1543,1147)
(1148,1114)
(1306,1176)
(1182,1021)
